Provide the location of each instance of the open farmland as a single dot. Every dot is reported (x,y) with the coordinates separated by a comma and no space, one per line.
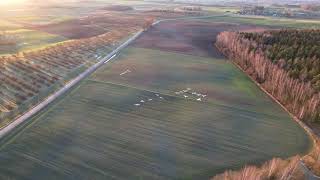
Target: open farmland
(29,77)
(22,39)
(92,25)
(26,39)
(154,114)
(102,21)
(266,21)
(191,38)
(45,61)
(37,27)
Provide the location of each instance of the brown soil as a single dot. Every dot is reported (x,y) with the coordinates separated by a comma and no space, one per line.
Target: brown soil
(100,22)
(93,25)
(194,38)
(118,8)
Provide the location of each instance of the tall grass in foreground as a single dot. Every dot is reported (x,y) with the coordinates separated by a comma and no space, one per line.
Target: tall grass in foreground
(273,169)
(312,159)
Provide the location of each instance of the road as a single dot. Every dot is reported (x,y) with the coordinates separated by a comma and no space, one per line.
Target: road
(5,130)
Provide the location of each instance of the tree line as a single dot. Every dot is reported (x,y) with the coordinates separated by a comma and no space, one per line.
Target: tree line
(285,62)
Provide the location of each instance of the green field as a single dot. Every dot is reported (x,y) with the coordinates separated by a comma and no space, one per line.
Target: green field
(13,21)
(97,132)
(27,39)
(267,21)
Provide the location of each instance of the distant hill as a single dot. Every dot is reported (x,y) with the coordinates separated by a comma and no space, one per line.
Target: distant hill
(211,2)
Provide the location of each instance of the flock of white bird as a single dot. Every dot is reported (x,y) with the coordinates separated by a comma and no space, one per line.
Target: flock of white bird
(143,101)
(186,93)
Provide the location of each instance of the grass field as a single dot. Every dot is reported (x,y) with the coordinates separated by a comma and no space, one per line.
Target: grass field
(7,26)
(96,132)
(220,9)
(29,39)
(266,21)
(155,114)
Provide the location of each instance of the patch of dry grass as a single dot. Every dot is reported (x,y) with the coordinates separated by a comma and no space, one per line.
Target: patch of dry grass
(273,169)
(312,160)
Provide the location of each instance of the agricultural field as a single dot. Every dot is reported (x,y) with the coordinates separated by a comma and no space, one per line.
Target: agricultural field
(45,25)
(266,21)
(6,25)
(192,37)
(37,59)
(155,113)
(29,77)
(93,25)
(220,9)
(27,39)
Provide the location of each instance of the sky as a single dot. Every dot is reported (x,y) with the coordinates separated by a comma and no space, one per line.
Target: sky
(10,2)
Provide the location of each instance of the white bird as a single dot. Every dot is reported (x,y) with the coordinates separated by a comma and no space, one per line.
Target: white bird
(137,104)
(149,99)
(198,94)
(199,99)
(193,93)
(125,72)
(204,95)
(142,101)
(161,97)
(185,96)
(157,95)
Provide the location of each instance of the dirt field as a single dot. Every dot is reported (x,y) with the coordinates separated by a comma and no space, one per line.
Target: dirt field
(188,37)
(100,22)
(118,8)
(92,25)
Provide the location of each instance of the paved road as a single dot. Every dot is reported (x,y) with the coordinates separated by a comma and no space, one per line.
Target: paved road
(67,87)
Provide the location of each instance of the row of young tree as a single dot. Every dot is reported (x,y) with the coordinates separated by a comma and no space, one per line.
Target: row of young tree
(253,52)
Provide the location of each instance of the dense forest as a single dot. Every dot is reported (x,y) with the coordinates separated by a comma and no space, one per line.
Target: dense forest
(285,62)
